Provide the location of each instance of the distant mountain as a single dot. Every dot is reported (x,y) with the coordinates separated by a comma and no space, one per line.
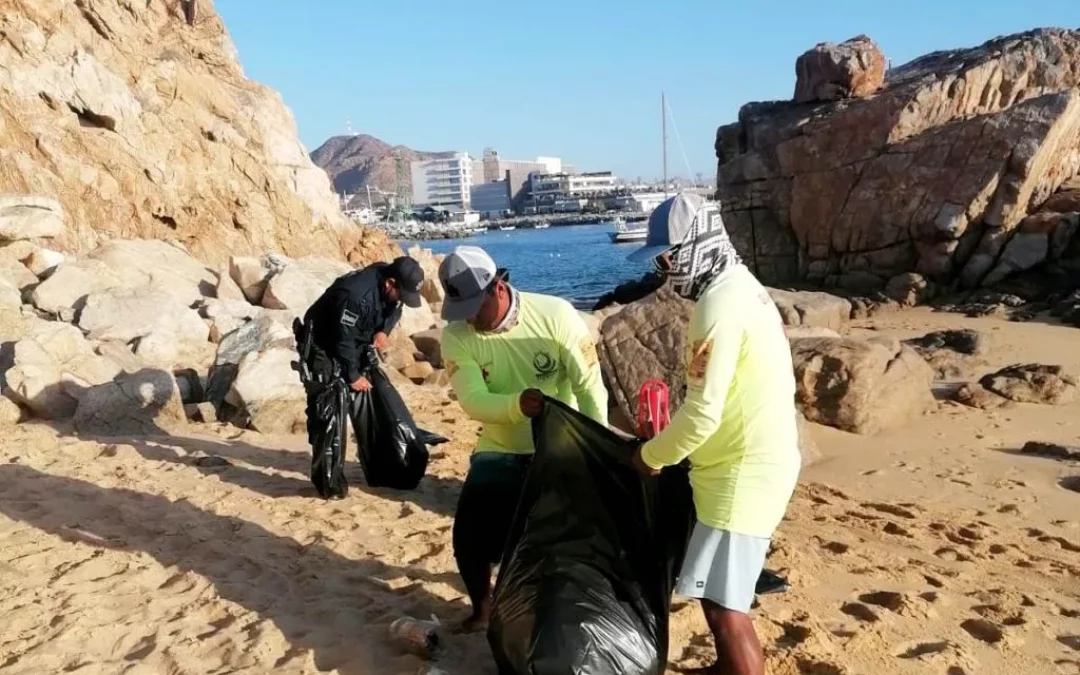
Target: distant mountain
(355,162)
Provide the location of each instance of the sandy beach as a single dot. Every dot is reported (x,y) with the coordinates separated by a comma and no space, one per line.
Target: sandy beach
(935,548)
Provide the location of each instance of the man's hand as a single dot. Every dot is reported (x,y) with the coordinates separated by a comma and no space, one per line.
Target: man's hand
(640,465)
(361,384)
(380,341)
(532,402)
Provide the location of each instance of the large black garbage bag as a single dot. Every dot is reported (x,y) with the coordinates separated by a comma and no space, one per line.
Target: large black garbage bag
(328,438)
(591,561)
(393,450)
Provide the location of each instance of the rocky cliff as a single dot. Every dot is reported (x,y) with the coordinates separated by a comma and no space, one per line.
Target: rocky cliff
(949,169)
(143,126)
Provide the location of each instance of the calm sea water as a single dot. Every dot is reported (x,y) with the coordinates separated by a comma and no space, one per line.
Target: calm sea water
(578,262)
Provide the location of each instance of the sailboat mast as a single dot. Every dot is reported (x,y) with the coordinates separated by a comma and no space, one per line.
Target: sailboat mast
(663,122)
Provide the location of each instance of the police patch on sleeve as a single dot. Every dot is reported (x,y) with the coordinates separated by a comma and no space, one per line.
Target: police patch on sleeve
(588,351)
(700,353)
(349,318)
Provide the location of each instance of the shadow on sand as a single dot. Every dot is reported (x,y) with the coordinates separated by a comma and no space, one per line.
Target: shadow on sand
(336,607)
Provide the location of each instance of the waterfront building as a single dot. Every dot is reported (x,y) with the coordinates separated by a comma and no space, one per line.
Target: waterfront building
(443,183)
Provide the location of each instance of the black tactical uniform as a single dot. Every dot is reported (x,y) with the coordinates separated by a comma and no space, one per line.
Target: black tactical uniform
(342,324)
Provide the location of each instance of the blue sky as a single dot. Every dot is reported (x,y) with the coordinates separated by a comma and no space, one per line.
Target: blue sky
(578,80)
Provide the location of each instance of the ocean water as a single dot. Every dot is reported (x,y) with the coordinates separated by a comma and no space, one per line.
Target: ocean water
(578,262)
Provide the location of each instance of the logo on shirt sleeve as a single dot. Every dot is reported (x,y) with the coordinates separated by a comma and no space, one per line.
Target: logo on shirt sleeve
(700,353)
(588,351)
(451,368)
(349,318)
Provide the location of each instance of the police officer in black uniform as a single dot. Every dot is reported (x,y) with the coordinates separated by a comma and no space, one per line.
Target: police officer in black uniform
(359,310)
(337,342)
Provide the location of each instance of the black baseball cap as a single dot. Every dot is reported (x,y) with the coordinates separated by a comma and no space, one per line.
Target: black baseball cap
(410,277)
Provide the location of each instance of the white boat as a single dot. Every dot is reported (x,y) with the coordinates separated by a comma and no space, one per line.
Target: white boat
(508,228)
(624,233)
(541,226)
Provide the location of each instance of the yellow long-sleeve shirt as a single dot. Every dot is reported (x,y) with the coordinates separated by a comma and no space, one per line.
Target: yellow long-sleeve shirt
(738,422)
(549,348)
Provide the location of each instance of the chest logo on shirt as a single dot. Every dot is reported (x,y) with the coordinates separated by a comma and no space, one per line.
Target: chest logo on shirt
(485,370)
(700,353)
(348,318)
(544,365)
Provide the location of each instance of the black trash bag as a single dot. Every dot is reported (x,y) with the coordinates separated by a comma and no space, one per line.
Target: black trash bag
(329,437)
(393,451)
(591,561)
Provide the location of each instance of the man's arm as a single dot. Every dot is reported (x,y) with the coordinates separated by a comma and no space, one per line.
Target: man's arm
(472,392)
(583,368)
(714,355)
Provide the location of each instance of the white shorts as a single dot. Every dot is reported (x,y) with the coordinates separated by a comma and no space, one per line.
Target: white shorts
(723,567)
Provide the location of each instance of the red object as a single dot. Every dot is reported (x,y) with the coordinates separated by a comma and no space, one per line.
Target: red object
(652,412)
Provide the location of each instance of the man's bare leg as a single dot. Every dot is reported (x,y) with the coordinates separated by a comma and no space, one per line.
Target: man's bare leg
(477,578)
(738,650)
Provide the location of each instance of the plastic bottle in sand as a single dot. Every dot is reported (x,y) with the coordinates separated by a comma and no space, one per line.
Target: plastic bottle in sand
(415,636)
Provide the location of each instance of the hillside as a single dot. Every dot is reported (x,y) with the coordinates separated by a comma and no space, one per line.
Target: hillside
(143,126)
(355,162)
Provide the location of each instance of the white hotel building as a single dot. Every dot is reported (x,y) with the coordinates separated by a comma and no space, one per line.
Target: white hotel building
(443,183)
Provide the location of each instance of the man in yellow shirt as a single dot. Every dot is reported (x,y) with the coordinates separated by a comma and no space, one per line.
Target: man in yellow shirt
(505,350)
(737,424)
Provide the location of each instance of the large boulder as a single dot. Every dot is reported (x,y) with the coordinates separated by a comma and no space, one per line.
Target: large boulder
(16,273)
(68,286)
(1032,383)
(864,387)
(432,290)
(952,353)
(268,392)
(29,217)
(429,343)
(262,333)
(127,315)
(53,367)
(416,319)
(645,340)
(933,174)
(144,403)
(252,274)
(829,72)
(158,265)
(300,283)
(811,308)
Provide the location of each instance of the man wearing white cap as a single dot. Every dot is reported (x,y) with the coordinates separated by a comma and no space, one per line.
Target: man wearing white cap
(737,424)
(505,350)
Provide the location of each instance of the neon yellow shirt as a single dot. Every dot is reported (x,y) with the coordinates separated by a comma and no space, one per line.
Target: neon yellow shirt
(549,348)
(738,423)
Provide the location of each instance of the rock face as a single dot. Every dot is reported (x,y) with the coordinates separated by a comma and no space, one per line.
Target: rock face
(136,124)
(1032,383)
(828,72)
(934,174)
(860,386)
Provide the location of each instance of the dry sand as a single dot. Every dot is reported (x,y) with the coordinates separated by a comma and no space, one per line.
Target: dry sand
(932,549)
